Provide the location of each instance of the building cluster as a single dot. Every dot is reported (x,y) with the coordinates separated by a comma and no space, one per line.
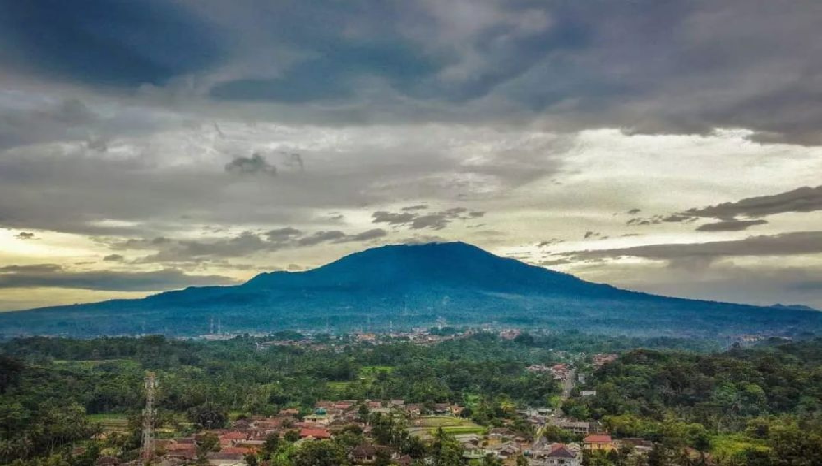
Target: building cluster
(247,436)
(559,371)
(603,359)
(506,445)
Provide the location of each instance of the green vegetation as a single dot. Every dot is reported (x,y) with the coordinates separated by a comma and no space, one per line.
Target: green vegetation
(754,406)
(745,406)
(79,387)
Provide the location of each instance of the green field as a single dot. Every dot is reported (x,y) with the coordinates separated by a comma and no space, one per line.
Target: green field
(110,422)
(339,386)
(453,425)
(368,371)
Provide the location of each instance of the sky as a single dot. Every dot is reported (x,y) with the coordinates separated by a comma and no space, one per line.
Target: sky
(667,146)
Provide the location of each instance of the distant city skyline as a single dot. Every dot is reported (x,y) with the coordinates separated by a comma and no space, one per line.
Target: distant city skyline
(671,147)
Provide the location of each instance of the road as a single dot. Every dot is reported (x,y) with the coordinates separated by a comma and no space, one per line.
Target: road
(568,384)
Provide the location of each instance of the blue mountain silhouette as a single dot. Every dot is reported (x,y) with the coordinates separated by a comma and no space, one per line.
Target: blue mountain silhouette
(413,285)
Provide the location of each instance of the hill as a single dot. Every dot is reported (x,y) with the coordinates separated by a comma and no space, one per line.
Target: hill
(413,285)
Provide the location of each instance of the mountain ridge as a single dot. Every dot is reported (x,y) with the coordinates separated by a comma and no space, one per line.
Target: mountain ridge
(413,285)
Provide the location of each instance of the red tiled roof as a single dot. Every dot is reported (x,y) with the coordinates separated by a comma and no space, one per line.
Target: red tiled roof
(314,433)
(234,436)
(597,438)
(181,447)
(561,452)
(234,450)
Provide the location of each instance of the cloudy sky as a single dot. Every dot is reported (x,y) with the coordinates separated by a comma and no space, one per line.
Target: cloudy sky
(669,146)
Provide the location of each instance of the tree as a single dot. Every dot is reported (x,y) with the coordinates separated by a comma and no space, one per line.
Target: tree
(272,444)
(250,459)
(383,457)
(445,450)
(208,415)
(415,447)
(206,443)
(320,453)
(292,435)
(490,460)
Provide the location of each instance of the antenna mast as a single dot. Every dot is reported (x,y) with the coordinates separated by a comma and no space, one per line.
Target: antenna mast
(148,420)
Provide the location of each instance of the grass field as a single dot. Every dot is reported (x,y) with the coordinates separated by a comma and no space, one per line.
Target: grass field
(367,371)
(339,386)
(86,363)
(427,425)
(110,422)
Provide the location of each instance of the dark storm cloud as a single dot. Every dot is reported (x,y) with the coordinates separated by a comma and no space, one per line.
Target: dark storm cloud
(646,66)
(550,242)
(283,234)
(321,237)
(413,220)
(804,199)
(247,243)
(251,166)
(590,64)
(106,43)
(367,235)
(32,268)
(751,209)
(393,218)
(412,208)
(785,244)
(114,258)
(68,119)
(730,225)
(56,276)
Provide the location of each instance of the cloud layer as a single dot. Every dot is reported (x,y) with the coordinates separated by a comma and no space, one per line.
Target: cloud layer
(200,141)
(56,276)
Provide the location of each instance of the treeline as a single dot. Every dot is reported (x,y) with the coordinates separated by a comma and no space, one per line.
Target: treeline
(49,385)
(759,405)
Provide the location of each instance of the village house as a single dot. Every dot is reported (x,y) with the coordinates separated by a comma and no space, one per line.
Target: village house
(558,455)
(367,453)
(596,442)
(560,371)
(229,439)
(577,427)
(364,454)
(538,368)
(107,461)
(413,409)
(227,457)
(639,445)
(320,416)
(602,359)
(504,450)
(314,433)
(181,451)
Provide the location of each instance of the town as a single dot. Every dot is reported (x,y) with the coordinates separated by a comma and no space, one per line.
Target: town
(383,432)
(368,428)
(436,397)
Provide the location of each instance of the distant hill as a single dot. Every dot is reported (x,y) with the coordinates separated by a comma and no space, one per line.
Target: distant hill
(413,285)
(795,307)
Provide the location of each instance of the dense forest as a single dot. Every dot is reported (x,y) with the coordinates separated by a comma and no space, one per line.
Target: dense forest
(760,405)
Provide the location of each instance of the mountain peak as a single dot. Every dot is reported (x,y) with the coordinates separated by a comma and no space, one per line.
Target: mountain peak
(440,264)
(412,285)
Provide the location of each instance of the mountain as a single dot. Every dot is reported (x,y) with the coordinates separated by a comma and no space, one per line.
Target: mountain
(795,307)
(412,285)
